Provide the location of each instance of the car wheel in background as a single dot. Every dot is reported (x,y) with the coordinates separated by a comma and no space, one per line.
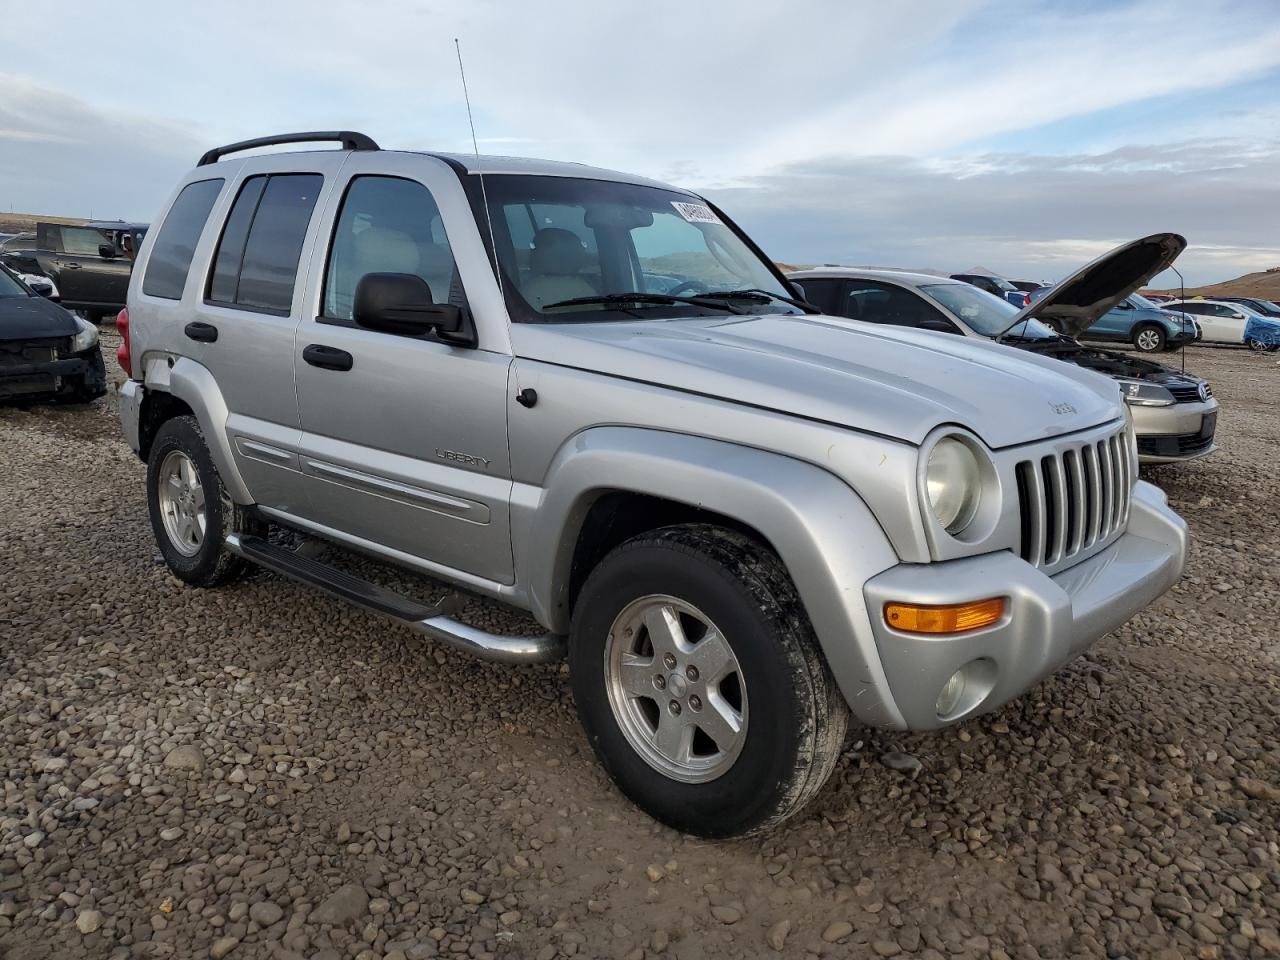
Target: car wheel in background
(1258,345)
(1149,338)
(699,681)
(191,511)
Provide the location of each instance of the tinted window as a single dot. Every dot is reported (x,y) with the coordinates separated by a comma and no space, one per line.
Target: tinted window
(226,262)
(388,225)
(822,293)
(175,244)
(265,268)
(886,303)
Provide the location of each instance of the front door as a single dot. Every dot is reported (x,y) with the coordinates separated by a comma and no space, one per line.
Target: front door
(404,441)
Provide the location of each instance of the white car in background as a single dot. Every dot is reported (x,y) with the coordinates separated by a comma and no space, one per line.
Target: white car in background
(1222,321)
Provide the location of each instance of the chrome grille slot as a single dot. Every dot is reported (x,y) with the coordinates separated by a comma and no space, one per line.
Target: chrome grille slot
(1073,498)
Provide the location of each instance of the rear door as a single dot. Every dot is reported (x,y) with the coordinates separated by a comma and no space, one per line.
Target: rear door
(248,306)
(404,443)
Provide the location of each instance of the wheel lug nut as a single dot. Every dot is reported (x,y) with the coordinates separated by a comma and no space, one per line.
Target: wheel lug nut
(695,702)
(670,660)
(660,682)
(692,673)
(675,708)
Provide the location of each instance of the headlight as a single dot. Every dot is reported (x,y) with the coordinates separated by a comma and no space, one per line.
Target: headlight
(85,338)
(1142,394)
(953,484)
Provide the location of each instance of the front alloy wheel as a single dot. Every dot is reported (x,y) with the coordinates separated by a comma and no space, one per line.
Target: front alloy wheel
(699,681)
(676,688)
(1149,339)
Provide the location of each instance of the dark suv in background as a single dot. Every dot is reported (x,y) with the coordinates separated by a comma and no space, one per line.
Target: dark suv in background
(90,262)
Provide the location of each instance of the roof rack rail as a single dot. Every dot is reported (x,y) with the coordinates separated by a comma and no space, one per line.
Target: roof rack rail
(349,138)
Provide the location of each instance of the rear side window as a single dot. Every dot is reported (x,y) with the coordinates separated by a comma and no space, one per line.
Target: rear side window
(257,259)
(175,244)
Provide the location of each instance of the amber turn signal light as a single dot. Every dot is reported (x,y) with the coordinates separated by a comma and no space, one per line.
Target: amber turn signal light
(944,618)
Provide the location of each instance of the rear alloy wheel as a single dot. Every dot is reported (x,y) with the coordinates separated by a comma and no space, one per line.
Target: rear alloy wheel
(1149,339)
(700,684)
(191,511)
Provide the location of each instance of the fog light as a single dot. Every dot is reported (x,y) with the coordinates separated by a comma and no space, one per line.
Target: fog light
(951,694)
(944,618)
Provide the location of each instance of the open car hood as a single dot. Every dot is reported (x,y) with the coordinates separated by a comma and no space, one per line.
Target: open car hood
(1078,302)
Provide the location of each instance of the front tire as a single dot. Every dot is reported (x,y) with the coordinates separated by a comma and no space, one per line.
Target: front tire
(1150,338)
(191,511)
(700,684)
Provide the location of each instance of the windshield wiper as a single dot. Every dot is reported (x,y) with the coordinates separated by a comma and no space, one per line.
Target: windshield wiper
(658,299)
(762,296)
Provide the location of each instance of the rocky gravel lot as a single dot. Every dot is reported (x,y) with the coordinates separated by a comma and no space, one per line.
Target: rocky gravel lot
(259,771)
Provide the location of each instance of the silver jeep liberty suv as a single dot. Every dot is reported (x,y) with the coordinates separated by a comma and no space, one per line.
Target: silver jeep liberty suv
(590,396)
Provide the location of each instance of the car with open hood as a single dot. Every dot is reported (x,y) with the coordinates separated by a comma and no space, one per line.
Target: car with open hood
(1174,413)
(46,352)
(591,396)
(1151,327)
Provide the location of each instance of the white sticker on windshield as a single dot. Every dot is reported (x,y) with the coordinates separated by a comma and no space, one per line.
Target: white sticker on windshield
(695,212)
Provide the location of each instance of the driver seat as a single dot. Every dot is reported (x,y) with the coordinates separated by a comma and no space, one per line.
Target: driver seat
(554,264)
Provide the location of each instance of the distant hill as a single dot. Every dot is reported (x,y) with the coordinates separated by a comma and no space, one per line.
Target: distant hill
(26,222)
(1265,285)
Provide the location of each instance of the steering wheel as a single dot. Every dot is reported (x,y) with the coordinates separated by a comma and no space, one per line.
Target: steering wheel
(680,288)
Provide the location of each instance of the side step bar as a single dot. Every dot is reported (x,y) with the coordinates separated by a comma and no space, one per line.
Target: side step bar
(435,621)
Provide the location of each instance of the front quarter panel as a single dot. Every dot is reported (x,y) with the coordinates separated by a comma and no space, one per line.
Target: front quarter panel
(823,532)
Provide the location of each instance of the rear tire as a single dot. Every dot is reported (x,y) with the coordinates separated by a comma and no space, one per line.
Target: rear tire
(1150,338)
(697,584)
(191,511)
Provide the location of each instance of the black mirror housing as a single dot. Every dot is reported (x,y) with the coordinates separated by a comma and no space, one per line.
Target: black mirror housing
(401,303)
(106,251)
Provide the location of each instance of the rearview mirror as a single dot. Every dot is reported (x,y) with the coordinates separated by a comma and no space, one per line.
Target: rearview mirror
(401,303)
(106,251)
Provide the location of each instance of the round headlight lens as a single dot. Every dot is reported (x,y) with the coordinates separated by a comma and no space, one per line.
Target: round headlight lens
(954,484)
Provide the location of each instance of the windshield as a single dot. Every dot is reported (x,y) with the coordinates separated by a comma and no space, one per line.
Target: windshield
(983,312)
(9,287)
(564,239)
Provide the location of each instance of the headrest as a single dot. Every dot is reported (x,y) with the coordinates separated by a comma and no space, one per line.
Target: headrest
(557,252)
(381,250)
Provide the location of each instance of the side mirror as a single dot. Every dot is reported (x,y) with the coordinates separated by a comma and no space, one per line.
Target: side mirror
(797,289)
(106,251)
(401,303)
(1124,305)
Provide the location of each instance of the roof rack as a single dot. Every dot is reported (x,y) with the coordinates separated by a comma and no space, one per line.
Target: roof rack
(349,138)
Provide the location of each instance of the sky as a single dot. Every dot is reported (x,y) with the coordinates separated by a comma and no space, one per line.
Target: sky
(1027,137)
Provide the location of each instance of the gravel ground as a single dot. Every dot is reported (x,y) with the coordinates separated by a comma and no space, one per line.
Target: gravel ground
(259,771)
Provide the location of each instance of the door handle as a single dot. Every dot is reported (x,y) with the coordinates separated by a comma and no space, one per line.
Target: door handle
(204,332)
(69,266)
(330,358)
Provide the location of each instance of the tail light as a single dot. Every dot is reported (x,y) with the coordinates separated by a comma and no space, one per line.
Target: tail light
(122,355)
(1026,299)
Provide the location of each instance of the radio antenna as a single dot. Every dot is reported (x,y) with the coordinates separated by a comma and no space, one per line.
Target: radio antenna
(475,146)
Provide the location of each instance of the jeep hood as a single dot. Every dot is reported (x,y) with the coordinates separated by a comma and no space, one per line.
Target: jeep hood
(1078,302)
(893,381)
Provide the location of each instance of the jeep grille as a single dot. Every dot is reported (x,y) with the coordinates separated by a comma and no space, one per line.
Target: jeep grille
(1074,499)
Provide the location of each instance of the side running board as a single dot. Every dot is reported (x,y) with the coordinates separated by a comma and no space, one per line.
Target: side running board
(435,621)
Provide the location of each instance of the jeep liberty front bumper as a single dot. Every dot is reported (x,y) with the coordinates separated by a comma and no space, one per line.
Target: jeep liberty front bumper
(1047,620)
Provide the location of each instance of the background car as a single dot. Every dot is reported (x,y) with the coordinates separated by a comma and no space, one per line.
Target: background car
(87,262)
(1266,308)
(1138,321)
(997,286)
(1223,321)
(46,352)
(1175,413)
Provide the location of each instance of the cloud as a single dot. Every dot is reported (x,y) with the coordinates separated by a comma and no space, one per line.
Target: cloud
(1029,215)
